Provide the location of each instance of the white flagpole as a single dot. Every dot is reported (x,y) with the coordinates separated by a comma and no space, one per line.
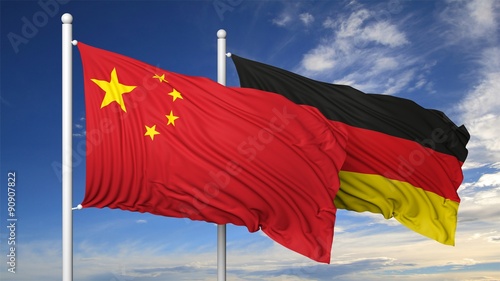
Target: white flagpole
(221,228)
(67,145)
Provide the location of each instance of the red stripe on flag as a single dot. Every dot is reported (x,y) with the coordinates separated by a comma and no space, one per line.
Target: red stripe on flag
(372,152)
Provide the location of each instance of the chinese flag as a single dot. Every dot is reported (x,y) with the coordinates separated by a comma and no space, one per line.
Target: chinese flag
(181,146)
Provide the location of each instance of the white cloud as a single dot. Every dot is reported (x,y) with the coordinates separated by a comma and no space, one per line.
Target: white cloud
(81,134)
(384,33)
(481,202)
(290,16)
(483,15)
(481,110)
(329,23)
(282,20)
(306,18)
(80,131)
(470,164)
(489,180)
(494,239)
(475,20)
(363,52)
(474,26)
(385,63)
(397,83)
(379,81)
(419,84)
(353,26)
(361,26)
(319,59)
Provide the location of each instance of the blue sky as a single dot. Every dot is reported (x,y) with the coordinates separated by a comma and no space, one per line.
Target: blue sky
(441,54)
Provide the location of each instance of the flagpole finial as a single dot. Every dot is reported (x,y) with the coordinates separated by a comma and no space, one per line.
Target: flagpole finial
(67,18)
(221,33)
(79,207)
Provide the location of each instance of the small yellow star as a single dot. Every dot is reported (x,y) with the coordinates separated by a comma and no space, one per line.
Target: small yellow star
(151,132)
(175,95)
(114,90)
(160,78)
(171,118)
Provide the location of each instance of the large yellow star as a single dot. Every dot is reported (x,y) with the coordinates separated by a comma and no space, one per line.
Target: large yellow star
(161,78)
(171,118)
(175,95)
(151,132)
(114,90)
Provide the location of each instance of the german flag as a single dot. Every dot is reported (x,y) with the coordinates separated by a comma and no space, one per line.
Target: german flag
(403,161)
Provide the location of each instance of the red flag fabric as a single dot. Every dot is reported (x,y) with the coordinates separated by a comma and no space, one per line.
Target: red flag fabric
(181,146)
